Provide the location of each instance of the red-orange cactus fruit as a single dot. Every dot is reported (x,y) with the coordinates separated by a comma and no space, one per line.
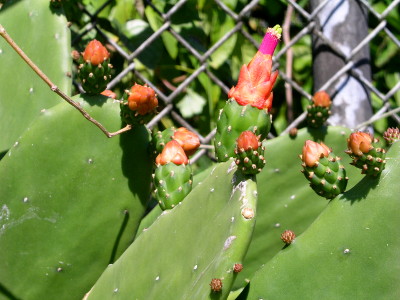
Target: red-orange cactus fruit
(109,94)
(322,98)
(142,99)
(188,140)
(172,152)
(360,142)
(95,53)
(247,140)
(313,151)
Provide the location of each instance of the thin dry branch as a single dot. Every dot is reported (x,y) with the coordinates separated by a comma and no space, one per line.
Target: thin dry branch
(55,89)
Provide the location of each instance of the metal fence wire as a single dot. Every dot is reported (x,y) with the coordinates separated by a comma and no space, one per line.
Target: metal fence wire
(299,26)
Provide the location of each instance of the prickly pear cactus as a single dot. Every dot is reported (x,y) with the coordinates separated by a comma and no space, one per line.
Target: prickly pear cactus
(354,243)
(43,35)
(173,259)
(75,203)
(173,182)
(285,199)
(233,120)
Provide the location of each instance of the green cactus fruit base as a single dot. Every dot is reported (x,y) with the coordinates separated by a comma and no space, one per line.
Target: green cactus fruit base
(317,115)
(250,161)
(286,200)
(188,246)
(44,36)
(133,117)
(371,163)
(351,251)
(233,120)
(327,178)
(172,184)
(94,79)
(71,201)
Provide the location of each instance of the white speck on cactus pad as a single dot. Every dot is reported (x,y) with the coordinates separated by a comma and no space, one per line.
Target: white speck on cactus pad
(229,241)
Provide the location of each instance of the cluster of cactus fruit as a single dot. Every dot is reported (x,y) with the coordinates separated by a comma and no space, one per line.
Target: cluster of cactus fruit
(215,223)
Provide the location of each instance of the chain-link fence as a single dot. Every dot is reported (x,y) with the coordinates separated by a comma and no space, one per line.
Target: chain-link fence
(202,45)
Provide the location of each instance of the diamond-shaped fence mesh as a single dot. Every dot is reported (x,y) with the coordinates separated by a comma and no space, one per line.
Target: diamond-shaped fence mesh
(190,52)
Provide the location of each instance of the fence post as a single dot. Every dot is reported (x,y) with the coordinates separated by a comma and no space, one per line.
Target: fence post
(345,24)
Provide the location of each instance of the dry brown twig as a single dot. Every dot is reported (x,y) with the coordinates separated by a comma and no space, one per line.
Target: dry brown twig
(55,89)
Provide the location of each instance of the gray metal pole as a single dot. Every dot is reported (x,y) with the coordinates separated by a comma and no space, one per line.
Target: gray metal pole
(345,24)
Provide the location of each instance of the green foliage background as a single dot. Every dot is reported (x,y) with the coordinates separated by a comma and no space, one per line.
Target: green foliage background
(201,23)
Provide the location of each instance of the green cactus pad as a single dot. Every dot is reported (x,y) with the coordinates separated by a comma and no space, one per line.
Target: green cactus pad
(250,161)
(233,120)
(172,183)
(71,200)
(351,251)
(185,248)
(328,177)
(317,115)
(156,211)
(371,163)
(44,36)
(285,199)
(94,79)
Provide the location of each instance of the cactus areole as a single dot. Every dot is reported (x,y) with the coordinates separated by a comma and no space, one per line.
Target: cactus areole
(250,100)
